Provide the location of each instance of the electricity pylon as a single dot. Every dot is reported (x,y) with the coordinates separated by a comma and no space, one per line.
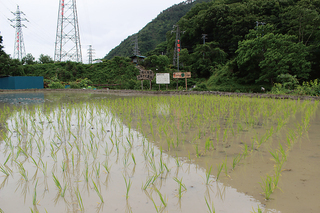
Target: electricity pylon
(67,46)
(135,45)
(90,54)
(19,48)
(177,46)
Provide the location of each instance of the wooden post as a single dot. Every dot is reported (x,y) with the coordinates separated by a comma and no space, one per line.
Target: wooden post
(141,84)
(177,84)
(150,84)
(186,84)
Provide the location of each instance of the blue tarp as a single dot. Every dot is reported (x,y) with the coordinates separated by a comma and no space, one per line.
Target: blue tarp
(21,82)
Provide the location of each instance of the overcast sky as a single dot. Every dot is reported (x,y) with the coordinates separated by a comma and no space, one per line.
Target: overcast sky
(103,23)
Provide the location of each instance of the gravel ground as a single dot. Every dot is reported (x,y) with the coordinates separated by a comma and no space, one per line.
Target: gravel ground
(148,92)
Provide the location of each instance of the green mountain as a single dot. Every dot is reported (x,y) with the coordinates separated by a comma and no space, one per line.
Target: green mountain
(251,41)
(154,32)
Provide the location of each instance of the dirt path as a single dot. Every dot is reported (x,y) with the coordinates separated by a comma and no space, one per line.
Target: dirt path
(148,92)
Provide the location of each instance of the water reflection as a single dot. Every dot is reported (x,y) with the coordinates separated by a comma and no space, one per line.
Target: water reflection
(22,98)
(74,146)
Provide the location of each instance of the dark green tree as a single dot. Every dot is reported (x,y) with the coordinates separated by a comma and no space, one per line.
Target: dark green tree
(45,59)
(263,58)
(28,59)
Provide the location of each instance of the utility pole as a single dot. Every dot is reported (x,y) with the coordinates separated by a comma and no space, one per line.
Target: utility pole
(90,54)
(177,47)
(67,45)
(19,48)
(259,23)
(204,37)
(135,45)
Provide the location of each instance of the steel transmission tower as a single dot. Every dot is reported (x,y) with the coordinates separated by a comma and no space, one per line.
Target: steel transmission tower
(67,46)
(90,54)
(19,48)
(177,46)
(135,45)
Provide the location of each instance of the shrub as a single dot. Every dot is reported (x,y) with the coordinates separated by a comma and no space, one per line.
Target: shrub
(56,85)
(74,85)
(201,87)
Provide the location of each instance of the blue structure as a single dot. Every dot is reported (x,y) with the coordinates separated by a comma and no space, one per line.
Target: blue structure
(21,82)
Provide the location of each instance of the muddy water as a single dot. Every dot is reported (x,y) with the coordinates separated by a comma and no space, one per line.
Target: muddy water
(82,141)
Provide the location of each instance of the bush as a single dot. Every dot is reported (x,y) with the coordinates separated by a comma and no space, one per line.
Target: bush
(309,88)
(56,85)
(83,83)
(200,87)
(74,85)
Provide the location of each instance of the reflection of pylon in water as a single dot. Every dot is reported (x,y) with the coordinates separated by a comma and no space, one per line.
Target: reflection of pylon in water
(67,46)
(19,48)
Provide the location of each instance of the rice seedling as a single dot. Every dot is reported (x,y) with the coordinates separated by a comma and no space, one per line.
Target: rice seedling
(208,173)
(245,151)
(207,144)
(258,210)
(211,208)
(162,198)
(275,155)
(197,151)
(235,161)
(63,192)
(220,167)
(128,186)
(181,187)
(177,161)
(133,159)
(97,191)
(225,167)
(80,203)
(22,171)
(56,181)
(97,169)
(148,182)
(268,186)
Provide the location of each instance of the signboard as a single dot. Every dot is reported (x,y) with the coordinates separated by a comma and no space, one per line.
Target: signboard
(182,75)
(163,78)
(145,75)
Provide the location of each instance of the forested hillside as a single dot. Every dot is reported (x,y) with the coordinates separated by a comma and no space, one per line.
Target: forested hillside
(251,41)
(154,32)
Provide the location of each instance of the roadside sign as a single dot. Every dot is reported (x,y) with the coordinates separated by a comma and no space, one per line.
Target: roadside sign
(146,75)
(182,75)
(163,78)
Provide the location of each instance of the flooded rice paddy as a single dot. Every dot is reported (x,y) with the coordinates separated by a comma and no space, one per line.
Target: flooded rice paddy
(74,152)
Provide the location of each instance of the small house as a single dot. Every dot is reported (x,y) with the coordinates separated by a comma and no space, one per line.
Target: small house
(137,58)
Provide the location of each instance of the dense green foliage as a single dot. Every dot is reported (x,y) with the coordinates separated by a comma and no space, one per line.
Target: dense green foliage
(250,42)
(154,32)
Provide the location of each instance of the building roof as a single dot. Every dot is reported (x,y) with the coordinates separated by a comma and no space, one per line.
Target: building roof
(138,56)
